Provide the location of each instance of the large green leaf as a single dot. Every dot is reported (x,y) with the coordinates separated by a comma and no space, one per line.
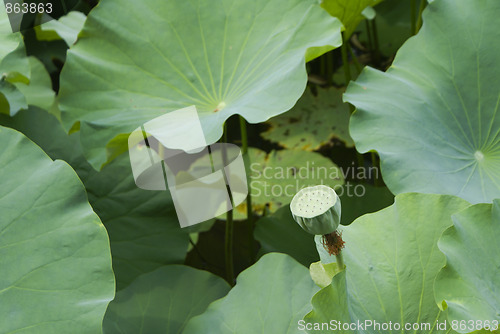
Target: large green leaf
(136,60)
(143,227)
(54,252)
(313,122)
(391,259)
(163,301)
(348,11)
(433,116)
(269,297)
(280,233)
(469,285)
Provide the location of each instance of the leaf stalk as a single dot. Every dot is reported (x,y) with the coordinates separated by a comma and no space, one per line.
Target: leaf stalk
(246,160)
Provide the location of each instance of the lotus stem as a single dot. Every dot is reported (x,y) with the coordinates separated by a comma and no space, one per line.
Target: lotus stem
(228,242)
(195,248)
(423,4)
(65,9)
(322,65)
(375,41)
(345,60)
(229,247)
(340,260)
(334,244)
(413,18)
(376,181)
(246,160)
(361,159)
(369,33)
(329,68)
(355,59)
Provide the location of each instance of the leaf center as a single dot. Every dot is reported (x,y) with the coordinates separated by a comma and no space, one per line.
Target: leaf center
(479,156)
(220,106)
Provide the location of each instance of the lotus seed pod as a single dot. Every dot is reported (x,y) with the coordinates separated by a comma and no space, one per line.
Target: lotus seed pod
(316,209)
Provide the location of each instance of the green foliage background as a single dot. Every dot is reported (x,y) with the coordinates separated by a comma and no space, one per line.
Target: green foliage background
(405,89)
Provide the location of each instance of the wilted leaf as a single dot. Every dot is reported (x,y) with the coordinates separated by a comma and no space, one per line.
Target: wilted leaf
(313,122)
(276,177)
